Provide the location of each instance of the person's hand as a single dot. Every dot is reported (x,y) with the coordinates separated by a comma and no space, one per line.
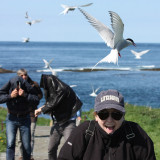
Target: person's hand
(21,92)
(79,118)
(78,121)
(38,111)
(14,93)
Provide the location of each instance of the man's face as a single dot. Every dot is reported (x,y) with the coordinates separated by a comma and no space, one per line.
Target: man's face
(109,124)
(24,76)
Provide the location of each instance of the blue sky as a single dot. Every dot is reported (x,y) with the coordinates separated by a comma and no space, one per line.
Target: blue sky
(141,20)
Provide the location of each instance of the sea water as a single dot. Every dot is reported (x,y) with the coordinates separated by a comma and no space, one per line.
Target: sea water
(134,78)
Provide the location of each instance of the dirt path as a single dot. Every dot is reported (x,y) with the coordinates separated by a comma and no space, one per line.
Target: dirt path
(41,144)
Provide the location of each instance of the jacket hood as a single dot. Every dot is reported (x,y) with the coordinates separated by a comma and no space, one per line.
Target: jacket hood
(43,81)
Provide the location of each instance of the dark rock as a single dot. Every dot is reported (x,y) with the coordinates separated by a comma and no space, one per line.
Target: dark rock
(2,70)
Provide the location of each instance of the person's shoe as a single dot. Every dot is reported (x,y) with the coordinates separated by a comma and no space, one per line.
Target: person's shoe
(32,158)
(20,158)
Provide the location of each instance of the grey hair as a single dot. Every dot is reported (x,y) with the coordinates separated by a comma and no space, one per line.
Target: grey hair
(21,71)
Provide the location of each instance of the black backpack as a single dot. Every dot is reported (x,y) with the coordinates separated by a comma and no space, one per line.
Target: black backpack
(91,127)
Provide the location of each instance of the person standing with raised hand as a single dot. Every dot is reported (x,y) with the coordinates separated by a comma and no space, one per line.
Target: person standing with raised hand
(23,73)
(18,94)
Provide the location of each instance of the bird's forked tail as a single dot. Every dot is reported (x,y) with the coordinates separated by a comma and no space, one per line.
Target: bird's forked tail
(112,57)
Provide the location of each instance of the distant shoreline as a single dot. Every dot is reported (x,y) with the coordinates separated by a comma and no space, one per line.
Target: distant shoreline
(2,70)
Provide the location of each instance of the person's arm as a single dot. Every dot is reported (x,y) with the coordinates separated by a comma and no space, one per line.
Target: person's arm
(36,85)
(4,93)
(38,111)
(30,93)
(75,145)
(146,149)
(148,153)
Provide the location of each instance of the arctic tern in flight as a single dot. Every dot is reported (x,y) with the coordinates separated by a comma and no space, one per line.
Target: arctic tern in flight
(25,40)
(72,8)
(47,64)
(139,54)
(113,40)
(31,21)
(93,94)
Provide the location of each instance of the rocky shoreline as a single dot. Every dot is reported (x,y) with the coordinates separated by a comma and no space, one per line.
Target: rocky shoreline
(2,70)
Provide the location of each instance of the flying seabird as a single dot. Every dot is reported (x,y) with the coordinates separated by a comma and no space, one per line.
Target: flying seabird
(25,40)
(73,85)
(72,8)
(114,40)
(33,22)
(47,64)
(139,54)
(93,94)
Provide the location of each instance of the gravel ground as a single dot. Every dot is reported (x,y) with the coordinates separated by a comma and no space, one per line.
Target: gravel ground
(41,144)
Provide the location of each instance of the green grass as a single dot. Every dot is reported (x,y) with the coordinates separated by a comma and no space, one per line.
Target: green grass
(3,113)
(148,119)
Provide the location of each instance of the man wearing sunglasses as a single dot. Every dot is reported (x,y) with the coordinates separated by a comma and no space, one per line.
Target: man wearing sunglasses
(111,137)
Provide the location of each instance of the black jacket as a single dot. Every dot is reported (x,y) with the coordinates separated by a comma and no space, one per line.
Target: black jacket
(61,100)
(38,91)
(108,147)
(18,105)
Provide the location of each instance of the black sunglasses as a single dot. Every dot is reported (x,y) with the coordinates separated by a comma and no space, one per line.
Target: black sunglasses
(115,115)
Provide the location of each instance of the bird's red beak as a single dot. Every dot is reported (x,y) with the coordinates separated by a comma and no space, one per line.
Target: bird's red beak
(134,44)
(119,54)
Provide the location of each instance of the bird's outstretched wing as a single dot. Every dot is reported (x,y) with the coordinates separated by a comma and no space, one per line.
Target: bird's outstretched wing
(97,90)
(26,16)
(36,21)
(46,63)
(51,61)
(64,6)
(143,52)
(105,33)
(86,5)
(117,25)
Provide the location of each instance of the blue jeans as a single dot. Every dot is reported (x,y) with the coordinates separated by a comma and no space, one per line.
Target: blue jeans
(12,125)
(33,128)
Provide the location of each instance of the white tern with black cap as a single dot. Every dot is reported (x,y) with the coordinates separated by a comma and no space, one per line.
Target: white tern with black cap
(114,40)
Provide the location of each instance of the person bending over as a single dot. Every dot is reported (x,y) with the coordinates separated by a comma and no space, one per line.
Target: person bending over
(63,105)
